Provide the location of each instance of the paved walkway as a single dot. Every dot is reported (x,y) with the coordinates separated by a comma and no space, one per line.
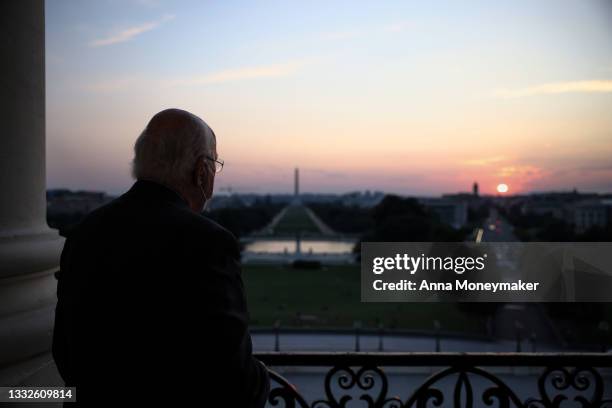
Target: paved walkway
(324,228)
(372,342)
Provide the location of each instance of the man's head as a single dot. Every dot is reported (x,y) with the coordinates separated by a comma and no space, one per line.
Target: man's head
(178,149)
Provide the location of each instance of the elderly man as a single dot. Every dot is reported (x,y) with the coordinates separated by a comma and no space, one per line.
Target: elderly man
(151,304)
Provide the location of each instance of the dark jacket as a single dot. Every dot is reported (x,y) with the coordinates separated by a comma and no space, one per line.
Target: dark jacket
(151,306)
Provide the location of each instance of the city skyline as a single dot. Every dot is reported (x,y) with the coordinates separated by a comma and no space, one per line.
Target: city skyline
(399,97)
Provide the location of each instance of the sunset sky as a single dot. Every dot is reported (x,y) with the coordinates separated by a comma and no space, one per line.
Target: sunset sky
(416,98)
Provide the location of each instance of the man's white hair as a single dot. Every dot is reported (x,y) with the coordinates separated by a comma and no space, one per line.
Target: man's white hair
(167,149)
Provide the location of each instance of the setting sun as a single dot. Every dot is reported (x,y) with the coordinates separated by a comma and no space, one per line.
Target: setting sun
(502,188)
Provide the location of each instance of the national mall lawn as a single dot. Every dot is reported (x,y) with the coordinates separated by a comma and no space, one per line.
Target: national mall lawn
(330,298)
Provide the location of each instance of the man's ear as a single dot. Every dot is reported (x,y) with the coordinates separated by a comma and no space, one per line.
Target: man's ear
(199,171)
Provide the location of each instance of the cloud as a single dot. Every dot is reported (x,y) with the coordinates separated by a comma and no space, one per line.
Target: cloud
(603,167)
(244,73)
(327,173)
(227,75)
(591,86)
(523,171)
(130,32)
(483,161)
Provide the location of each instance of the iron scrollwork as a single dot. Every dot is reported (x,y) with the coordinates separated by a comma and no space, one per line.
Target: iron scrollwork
(456,386)
(556,384)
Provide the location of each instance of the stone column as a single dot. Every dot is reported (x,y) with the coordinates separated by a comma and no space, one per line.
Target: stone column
(29,249)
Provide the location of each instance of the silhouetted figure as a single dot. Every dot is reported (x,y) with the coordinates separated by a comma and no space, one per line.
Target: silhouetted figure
(151,303)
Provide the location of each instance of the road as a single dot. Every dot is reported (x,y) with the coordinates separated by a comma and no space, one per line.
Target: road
(497,229)
(524,319)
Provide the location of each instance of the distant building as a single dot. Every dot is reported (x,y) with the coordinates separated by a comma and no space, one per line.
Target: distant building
(553,207)
(365,199)
(451,212)
(588,214)
(225,200)
(582,211)
(66,202)
(472,199)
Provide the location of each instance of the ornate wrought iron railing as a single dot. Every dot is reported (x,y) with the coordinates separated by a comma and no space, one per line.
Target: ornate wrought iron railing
(458,380)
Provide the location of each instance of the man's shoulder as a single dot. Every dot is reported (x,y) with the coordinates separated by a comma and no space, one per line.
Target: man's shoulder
(194,229)
(167,218)
(98,216)
(202,226)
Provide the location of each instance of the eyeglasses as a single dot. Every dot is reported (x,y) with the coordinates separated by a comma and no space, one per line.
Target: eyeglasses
(218,164)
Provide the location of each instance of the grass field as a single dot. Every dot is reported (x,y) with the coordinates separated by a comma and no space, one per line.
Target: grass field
(295,220)
(330,298)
